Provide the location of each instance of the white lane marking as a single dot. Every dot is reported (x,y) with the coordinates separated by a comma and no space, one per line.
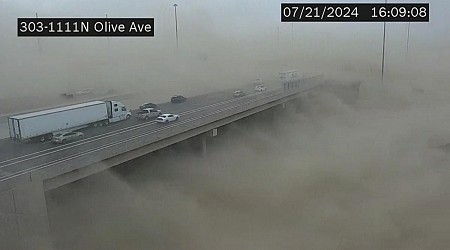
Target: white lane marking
(157,130)
(108,134)
(44,165)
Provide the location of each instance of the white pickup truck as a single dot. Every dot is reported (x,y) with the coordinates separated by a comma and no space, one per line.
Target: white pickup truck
(148,113)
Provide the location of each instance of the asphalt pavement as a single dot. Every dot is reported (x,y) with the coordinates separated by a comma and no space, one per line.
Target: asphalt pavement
(12,149)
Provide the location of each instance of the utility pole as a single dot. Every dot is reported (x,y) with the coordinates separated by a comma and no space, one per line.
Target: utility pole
(176,23)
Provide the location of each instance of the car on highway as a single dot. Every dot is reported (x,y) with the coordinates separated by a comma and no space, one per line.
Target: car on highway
(69,136)
(72,94)
(178,99)
(148,105)
(238,93)
(148,113)
(260,88)
(165,118)
(258,82)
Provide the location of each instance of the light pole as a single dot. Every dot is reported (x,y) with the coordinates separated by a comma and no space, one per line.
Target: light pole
(106,16)
(292,34)
(38,40)
(407,40)
(176,23)
(384,45)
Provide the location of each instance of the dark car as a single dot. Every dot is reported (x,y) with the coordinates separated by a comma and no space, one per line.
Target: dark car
(178,99)
(148,105)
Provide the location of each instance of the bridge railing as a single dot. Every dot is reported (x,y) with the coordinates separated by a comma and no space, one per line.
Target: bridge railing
(103,149)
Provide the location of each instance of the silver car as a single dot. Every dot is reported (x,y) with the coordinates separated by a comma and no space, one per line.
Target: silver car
(238,93)
(65,137)
(148,113)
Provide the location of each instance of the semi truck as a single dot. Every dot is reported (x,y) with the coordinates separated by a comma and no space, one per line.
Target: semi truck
(41,125)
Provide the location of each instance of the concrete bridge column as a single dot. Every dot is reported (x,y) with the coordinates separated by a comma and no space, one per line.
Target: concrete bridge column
(204,150)
(204,140)
(23,218)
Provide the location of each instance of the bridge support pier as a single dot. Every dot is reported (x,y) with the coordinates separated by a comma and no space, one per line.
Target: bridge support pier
(24,219)
(204,140)
(204,151)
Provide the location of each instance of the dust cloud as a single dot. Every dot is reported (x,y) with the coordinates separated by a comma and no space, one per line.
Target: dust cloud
(218,50)
(331,176)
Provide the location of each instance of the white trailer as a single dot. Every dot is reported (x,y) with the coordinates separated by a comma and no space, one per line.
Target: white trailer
(41,125)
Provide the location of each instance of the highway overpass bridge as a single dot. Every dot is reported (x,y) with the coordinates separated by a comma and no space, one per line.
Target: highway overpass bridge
(27,170)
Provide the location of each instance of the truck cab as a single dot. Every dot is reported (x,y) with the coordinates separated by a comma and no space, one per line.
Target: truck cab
(117,111)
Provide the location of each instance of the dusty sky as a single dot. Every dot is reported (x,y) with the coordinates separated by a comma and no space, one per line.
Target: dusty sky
(365,171)
(332,176)
(222,43)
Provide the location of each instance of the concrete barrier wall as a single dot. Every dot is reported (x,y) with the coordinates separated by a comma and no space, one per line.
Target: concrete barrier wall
(129,143)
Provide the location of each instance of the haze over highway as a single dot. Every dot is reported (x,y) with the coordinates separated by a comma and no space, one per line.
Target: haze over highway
(325,174)
(194,105)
